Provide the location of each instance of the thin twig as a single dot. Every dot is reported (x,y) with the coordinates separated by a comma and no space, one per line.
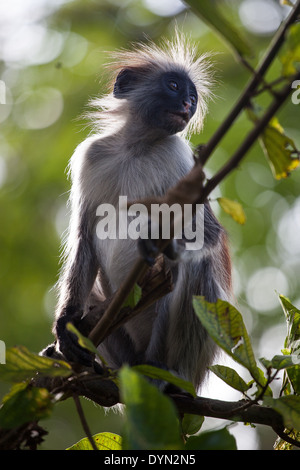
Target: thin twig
(84,421)
(269,86)
(248,142)
(276,43)
(255,401)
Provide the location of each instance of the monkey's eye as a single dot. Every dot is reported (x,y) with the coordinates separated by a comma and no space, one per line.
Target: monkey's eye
(173,85)
(193,100)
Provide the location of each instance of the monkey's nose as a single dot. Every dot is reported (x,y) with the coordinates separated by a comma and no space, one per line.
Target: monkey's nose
(187,104)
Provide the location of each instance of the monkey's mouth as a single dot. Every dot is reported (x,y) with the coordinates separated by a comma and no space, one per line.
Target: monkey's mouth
(180,117)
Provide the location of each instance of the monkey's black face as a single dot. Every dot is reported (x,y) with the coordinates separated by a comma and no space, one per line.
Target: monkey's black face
(166,102)
(173,103)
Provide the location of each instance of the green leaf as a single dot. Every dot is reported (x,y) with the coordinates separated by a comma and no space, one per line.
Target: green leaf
(191,424)
(292,315)
(233,208)
(292,343)
(288,407)
(213,16)
(23,404)
(225,325)
(103,441)
(83,341)
(22,364)
(280,362)
(212,440)
(231,377)
(261,379)
(293,374)
(290,52)
(151,418)
(161,374)
(133,297)
(279,149)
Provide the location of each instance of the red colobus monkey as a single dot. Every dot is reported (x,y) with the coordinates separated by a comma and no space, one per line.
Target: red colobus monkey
(140,149)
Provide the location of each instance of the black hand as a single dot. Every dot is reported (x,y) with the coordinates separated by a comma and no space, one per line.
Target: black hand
(149,250)
(68,341)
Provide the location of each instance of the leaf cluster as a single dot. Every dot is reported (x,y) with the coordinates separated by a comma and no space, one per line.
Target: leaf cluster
(152,419)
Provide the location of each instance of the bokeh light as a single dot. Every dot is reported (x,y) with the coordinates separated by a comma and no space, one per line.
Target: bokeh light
(37,109)
(165,7)
(262,287)
(261,16)
(289,230)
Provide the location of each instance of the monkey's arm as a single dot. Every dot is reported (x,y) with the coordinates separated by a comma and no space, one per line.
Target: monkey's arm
(76,281)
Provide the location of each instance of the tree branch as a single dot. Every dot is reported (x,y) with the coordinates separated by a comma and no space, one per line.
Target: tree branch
(155,282)
(256,414)
(277,41)
(83,421)
(249,141)
(280,431)
(105,393)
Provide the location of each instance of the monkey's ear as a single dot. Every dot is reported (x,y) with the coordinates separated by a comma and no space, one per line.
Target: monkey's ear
(125,82)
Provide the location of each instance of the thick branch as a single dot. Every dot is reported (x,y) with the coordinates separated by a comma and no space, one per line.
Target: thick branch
(155,283)
(105,393)
(209,407)
(100,331)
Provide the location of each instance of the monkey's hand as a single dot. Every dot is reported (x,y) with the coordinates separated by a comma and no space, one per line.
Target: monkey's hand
(68,342)
(148,250)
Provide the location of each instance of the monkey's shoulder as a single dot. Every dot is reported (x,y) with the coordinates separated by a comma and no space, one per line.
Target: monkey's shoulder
(97,149)
(92,148)
(176,145)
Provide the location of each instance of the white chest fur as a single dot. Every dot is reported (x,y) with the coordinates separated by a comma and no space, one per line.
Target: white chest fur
(102,172)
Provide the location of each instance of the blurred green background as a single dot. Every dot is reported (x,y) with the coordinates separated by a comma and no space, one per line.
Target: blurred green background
(52,57)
